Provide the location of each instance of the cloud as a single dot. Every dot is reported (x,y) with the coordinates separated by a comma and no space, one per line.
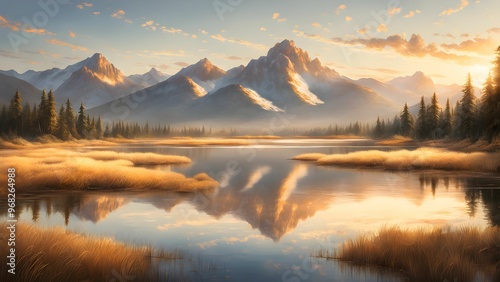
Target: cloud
(411,14)
(382,28)
(394,11)
(461,6)
(276,17)
(234,58)
(181,64)
(482,46)
(494,30)
(263,29)
(340,8)
(84,4)
(317,25)
(16,26)
(448,35)
(65,44)
(96,13)
(119,14)
(4,23)
(168,53)
(348,19)
(204,32)
(170,30)
(415,47)
(221,38)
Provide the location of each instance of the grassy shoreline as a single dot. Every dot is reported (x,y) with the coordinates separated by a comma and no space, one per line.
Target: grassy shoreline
(58,255)
(438,254)
(422,158)
(62,169)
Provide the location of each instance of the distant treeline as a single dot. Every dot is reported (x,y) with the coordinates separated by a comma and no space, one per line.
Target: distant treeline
(37,120)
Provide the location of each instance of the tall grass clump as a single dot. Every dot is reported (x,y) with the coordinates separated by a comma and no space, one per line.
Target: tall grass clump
(85,173)
(59,255)
(423,158)
(438,254)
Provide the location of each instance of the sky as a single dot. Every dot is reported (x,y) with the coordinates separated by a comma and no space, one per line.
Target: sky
(445,39)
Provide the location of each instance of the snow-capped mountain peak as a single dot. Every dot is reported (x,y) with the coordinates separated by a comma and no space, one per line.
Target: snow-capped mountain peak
(203,70)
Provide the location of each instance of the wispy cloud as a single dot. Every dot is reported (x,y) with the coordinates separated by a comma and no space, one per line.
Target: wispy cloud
(66,44)
(96,13)
(482,46)
(181,64)
(221,38)
(348,19)
(16,26)
(84,4)
(72,34)
(120,14)
(276,17)
(415,47)
(461,6)
(394,11)
(411,14)
(340,8)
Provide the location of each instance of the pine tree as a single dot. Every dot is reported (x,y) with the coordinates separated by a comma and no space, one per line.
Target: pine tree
(379,128)
(486,108)
(51,114)
(70,120)
(98,128)
(42,113)
(407,125)
(81,122)
(447,121)
(62,126)
(35,122)
(422,132)
(27,120)
(15,113)
(467,110)
(4,120)
(433,118)
(493,129)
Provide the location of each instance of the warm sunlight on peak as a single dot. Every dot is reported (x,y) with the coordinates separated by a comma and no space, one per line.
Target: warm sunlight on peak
(479,74)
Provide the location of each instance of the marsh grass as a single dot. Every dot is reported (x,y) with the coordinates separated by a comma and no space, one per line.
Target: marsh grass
(437,254)
(68,170)
(423,158)
(58,255)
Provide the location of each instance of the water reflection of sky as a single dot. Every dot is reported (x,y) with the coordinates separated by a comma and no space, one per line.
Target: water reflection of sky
(271,212)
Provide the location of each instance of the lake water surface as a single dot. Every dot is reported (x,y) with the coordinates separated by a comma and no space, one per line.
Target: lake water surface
(271,213)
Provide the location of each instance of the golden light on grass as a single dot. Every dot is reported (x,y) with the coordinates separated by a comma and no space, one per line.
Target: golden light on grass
(437,254)
(59,255)
(423,158)
(64,169)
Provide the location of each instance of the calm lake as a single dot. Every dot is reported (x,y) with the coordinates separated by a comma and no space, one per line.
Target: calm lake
(271,213)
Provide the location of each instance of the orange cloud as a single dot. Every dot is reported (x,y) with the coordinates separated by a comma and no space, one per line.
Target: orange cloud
(72,34)
(15,26)
(65,44)
(449,11)
(415,47)
(483,46)
(84,4)
(340,8)
(221,38)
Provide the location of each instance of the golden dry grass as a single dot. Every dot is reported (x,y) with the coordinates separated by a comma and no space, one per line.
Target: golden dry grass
(309,157)
(423,158)
(53,154)
(68,170)
(437,254)
(58,255)
(396,140)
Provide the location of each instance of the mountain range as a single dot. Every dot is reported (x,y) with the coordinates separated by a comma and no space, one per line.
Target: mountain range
(285,85)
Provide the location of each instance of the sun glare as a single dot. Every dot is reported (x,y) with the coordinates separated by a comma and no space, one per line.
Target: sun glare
(479,74)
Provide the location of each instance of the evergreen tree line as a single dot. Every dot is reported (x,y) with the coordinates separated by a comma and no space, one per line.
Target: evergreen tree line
(470,118)
(37,120)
